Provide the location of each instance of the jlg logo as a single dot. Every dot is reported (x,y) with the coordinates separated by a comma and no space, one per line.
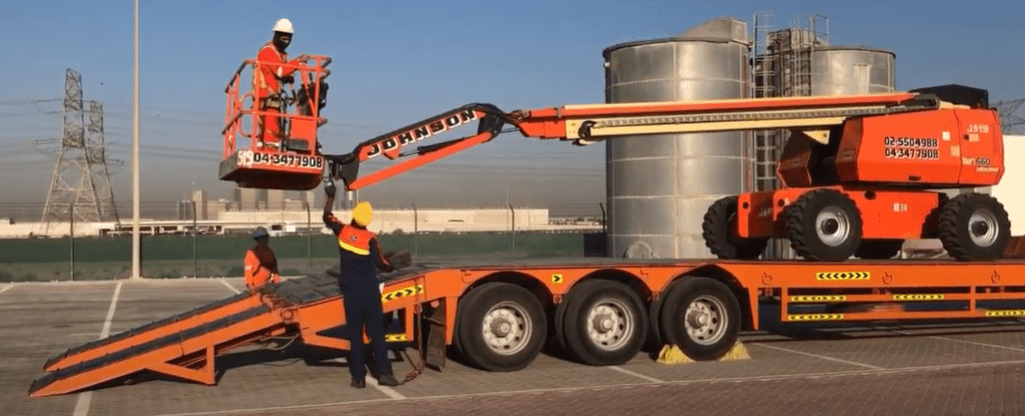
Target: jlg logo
(978,128)
(765,212)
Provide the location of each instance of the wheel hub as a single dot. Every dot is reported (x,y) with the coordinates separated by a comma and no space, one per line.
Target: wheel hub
(611,324)
(830,226)
(982,227)
(507,328)
(602,323)
(501,327)
(833,226)
(706,320)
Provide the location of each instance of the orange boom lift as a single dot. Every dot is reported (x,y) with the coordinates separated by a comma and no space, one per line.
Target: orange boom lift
(862,180)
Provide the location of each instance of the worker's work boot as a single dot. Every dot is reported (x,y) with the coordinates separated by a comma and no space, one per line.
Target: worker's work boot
(358,383)
(388,380)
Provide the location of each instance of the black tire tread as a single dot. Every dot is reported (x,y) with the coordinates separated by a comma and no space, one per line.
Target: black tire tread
(716,223)
(948,227)
(793,216)
(578,348)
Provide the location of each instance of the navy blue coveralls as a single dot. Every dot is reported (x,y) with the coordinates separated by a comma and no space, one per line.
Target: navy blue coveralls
(360,253)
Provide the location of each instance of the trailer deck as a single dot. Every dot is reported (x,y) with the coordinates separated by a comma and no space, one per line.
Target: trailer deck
(922,367)
(186,345)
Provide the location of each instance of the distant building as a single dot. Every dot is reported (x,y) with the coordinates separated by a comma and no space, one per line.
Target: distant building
(275,199)
(199,198)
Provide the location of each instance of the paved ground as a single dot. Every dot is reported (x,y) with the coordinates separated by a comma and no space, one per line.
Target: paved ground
(951,368)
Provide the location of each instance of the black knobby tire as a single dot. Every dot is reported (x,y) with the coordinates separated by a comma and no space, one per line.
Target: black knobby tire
(974,227)
(833,237)
(616,334)
(879,249)
(716,318)
(516,313)
(717,229)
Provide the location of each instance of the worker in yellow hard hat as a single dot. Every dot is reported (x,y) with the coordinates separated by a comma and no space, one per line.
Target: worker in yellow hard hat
(361,256)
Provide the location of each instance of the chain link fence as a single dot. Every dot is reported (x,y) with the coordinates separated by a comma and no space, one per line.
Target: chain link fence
(184,256)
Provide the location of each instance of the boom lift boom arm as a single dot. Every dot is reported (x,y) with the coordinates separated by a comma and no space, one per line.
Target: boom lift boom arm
(586,124)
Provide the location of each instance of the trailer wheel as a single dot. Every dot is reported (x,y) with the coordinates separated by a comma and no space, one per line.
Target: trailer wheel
(879,249)
(605,324)
(823,225)
(558,319)
(502,327)
(974,227)
(702,317)
(717,229)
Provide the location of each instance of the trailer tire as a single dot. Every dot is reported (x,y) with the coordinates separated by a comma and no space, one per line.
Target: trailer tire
(823,225)
(702,317)
(502,327)
(879,249)
(558,319)
(606,323)
(717,230)
(974,227)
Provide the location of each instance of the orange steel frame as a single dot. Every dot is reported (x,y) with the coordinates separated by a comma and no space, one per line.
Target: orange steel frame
(552,122)
(260,167)
(885,213)
(241,104)
(895,283)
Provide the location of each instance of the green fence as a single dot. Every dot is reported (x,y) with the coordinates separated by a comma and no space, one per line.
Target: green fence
(221,256)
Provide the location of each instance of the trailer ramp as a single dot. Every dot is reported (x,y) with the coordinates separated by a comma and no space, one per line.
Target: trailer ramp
(185,345)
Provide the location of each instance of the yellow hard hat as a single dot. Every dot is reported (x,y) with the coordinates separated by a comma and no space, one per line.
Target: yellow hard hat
(363,213)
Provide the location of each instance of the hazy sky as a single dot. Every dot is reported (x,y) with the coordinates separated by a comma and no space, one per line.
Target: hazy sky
(396,62)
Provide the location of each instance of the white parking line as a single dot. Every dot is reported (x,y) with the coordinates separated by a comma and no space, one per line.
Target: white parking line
(982,344)
(635,374)
(818,356)
(614,386)
(85,399)
(6,288)
(231,287)
(371,381)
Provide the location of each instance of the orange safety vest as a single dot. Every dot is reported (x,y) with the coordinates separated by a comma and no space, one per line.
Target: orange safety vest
(265,80)
(355,240)
(256,272)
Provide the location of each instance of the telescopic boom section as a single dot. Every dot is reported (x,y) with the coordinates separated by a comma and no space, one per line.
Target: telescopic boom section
(585,124)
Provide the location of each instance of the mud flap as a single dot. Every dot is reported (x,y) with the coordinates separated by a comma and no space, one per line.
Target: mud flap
(436,337)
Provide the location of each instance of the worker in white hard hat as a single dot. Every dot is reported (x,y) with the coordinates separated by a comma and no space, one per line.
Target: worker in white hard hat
(272,71)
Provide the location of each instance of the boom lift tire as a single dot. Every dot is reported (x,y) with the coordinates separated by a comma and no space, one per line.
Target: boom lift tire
(823,225)
(974,227)
(717,229)
(702,317)
(501,327)
(878,249)
(606,323)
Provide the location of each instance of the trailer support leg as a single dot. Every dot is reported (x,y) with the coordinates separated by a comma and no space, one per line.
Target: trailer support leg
(204,375)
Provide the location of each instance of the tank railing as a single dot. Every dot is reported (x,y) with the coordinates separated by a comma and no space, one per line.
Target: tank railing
(310,77)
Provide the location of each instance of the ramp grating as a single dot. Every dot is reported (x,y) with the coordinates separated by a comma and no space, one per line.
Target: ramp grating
(146,347)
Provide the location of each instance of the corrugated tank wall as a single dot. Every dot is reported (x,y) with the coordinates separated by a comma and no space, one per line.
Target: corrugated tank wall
(659,186)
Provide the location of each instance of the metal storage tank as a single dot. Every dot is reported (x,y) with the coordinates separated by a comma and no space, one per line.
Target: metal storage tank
(659,186)
(846,70)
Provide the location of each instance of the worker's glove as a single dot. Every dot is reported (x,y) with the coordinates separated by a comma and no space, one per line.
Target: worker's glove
(288,79)
(303,58)
(329,189)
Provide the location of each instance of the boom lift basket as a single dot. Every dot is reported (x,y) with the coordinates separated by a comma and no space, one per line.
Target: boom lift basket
(297,164)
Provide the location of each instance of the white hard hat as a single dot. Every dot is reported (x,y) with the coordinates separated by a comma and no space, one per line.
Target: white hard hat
(283,25)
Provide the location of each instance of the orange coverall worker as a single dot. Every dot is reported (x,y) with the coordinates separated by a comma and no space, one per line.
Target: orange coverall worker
(267,90)
(261,266)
